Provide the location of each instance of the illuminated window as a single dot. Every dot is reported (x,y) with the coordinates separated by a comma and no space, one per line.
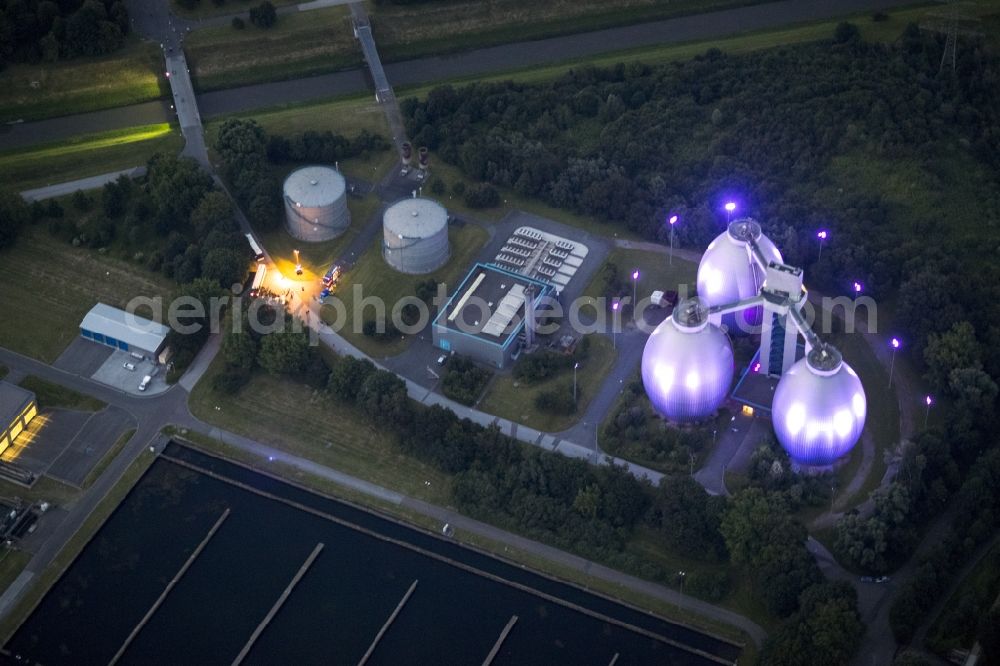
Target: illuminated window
(747,410)
(15,429)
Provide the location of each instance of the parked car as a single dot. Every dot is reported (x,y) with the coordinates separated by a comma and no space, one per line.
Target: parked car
(882,579)
(128,366)
(145,382)
(442,358)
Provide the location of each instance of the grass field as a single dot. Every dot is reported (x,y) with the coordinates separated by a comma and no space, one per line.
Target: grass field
(291,417)
(12,562)
(51,395)
(510,399)
(884,31)
(86,155)
(655,272)
(377,279)
(316,258)
(410,31)
(54,284)
(42,582)
(111,454)
(128,76)
(300,44)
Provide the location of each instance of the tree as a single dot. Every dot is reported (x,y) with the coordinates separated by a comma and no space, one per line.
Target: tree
(689,518)
(14,214)
(238,23)
(482,195)
(383,398)
(239,349)
(953,349)
(285,352)
(347,376)
(213,211)
(824,632)
(263,15)
(226,266)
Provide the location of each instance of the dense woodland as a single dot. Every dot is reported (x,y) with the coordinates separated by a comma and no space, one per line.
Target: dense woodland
(49,30)
(806,138)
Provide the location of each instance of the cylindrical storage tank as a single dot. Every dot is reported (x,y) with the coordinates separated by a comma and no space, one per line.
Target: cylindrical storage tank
(415,235)
(819,408)
(687,365)
(407,153)
(727,274)
(316,204)
(424,157)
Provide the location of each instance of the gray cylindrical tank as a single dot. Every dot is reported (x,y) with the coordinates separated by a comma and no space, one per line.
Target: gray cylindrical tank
(415,235)
(316,204)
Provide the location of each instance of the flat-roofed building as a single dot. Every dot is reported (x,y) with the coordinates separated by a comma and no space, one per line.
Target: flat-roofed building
(125,331)
(17,408)
(487,314)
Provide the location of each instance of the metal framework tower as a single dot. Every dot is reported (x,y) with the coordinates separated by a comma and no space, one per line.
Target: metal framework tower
(954,20)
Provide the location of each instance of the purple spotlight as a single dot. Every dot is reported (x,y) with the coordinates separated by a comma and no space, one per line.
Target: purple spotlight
(614,306)
(635,274)
(857,287)
(928,401)
(895,343)
(730,206)
(673,219)
(821,235)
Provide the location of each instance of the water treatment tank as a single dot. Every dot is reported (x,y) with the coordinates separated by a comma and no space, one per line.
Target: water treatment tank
(727,274)
(316,204)
(819,408)
(687,365)
(415,235)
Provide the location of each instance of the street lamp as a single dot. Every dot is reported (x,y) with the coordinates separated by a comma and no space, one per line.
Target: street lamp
(614,318)
(857,290)
(730,207)
(401,264)
(683,575)
(298,264)
(822,237)
(894,343)
(635,281)
(929,401)
(672,221)
(575,367)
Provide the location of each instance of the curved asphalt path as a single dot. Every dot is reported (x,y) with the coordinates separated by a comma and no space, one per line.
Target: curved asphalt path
(149,20)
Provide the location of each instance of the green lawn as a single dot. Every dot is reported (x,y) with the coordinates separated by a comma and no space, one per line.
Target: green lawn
(510,399)
(51,395)
(316,258)
(86,155)
(345,116)
(377,279)
(293,418)
(12,562)
(128,76)
(41,583)
(300,44)
(60,283)
(111,454)
(655,272)
(887,31)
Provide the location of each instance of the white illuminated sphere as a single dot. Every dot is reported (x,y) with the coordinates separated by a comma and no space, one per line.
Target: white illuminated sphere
(819,408)
(727,274)
(687,365)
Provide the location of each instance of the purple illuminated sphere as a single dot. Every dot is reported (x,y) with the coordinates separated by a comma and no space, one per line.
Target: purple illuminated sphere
(727,274)
(819,408)
(687,365)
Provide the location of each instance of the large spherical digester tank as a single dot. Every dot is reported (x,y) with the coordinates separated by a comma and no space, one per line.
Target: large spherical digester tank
(415,235)
(819,408)
(687,365)
(727,273)
(316,204)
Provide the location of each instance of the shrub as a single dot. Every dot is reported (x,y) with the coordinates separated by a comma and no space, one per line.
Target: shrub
(239,23)
(482,195)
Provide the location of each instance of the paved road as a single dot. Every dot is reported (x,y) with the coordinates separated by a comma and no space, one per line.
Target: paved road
(149,20)
(93,182)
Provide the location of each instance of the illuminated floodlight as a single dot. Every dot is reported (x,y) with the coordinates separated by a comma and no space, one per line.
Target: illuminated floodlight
(821,235)
(895,343)
(635,274)
(730,206)
(673,219)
